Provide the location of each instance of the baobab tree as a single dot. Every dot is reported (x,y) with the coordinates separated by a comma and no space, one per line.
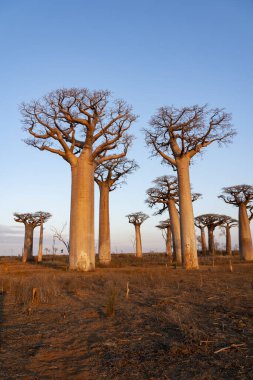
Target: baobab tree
(166,193)
(177,135)
(241,196)
(80,126)
(43,217)
(31,221)
(109,175)
(137,218)
(165,227)
(211,221)
(199,224)
(228,224)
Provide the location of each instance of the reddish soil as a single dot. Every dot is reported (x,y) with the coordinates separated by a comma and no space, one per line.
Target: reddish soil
(173,325)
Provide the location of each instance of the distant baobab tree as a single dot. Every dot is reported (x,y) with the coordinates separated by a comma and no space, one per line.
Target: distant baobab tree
(211,221)
(43,217)
(228,224)
(137,218)
(177,135)
(165,227)
(165,192)
(199,224)
(31,221)
(108,176)
(241,196)
(80,126)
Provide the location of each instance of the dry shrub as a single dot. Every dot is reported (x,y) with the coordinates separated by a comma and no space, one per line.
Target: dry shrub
(35,290)
(112,293)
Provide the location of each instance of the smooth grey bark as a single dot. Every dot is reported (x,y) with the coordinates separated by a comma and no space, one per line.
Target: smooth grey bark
(203,241)
(40,243)
(211,247)
(245,240)
(104,244)
(28,244)
(175,229)
(187,228)
(82,246)
(138,240)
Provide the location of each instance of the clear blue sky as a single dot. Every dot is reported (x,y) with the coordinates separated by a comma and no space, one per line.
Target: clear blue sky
(151,53)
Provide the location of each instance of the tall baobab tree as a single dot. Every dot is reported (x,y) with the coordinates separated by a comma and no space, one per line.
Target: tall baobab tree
(177,135)
(108,176)
(211,221)
(165,227)
(199,224)
(241,196)
(137,218)
(80,126)
(228,224)
(165,192)
(43,217)
(31,221)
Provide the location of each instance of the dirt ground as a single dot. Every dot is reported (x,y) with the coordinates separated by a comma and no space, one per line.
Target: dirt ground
(174,324)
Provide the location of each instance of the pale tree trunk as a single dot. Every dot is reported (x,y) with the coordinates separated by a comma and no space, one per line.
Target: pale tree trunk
(245,240)
(28,244)
(168,243)
(40,244)
(211,248)
(175,229)
(82,245)
(187,228)
(138,240)
(203,241)
(104,248)
(228,241)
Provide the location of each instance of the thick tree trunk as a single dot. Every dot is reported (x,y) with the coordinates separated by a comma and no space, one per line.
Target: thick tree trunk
(175,228)
(228,241)
(82,245)
(40,244)
(203,241)
(245,240)
(28,244)
(104,248)
(168,243)
(138,240)
(187,228)
(211,248)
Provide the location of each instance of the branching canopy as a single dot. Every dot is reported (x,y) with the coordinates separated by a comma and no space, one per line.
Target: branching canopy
(114,172)
(164,224)
(31,219)
(175,133)
(137,218)
(67,121)
(236,195)
(229,222)
(166,189)
(210,220)
(43,216)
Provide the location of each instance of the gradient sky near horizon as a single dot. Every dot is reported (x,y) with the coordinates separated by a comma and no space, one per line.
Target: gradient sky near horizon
(150,53)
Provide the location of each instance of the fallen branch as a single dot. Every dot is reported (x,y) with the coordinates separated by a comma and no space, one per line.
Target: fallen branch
(229,347)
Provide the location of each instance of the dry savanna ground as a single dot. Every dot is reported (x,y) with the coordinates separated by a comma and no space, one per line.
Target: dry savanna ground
(172,325)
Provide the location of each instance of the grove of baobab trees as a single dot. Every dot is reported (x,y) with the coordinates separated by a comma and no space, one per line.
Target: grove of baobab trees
(137,218)
(177,135)
(31,221)
(85,128)
(211,221)
(241,196)
(108,176)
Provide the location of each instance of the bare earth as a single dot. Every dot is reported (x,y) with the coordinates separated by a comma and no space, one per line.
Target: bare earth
(174,324)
